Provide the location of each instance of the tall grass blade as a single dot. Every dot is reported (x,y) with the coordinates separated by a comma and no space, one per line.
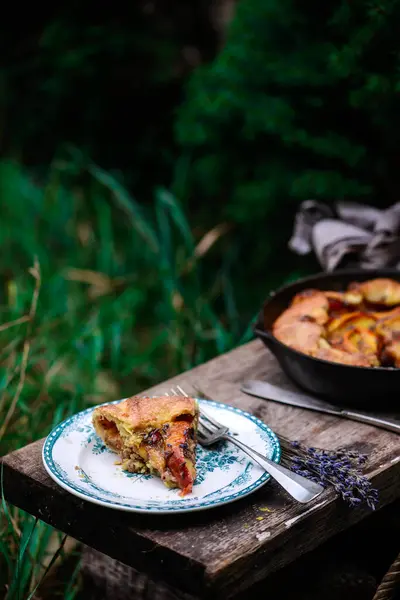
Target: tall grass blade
(171,205)
(51,563)
(23,568)
(129,206)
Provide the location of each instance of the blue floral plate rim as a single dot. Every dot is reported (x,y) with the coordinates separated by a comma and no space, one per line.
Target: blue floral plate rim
(96,495)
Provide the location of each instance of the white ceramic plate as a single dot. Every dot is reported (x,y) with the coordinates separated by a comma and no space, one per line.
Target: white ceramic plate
(75,457)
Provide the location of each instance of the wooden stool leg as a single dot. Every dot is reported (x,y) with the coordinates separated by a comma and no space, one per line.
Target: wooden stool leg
(112,580)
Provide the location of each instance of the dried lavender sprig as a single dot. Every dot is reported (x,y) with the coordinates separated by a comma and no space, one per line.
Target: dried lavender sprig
(340,469)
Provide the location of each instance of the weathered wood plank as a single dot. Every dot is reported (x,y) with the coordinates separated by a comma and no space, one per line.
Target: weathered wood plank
(221,551)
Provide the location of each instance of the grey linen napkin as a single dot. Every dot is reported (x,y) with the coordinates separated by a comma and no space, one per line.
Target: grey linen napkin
(348,234)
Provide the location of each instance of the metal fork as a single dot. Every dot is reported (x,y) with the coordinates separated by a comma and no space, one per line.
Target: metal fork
(210,431)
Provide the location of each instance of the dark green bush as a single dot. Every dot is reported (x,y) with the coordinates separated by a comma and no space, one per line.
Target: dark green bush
(104,77)
(303,101)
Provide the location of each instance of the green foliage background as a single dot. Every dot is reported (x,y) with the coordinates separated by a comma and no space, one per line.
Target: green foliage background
(303,101)
(151,174)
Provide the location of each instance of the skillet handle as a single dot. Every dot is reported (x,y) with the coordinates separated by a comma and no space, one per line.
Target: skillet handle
(383,423)
(266,337)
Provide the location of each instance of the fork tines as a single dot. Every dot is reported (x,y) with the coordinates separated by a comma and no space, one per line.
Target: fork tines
(203,415)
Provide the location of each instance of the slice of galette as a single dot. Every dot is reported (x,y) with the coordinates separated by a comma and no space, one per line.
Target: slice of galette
(153,435)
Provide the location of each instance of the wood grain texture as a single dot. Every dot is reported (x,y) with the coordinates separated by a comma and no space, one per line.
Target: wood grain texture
(221,552)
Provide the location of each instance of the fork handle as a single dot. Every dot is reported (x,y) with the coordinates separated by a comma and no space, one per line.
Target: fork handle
(300,488)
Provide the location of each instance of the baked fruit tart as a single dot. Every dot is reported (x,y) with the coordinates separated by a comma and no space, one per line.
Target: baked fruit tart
(359,326)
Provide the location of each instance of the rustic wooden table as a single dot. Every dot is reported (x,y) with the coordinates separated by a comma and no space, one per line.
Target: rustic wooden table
(221,552)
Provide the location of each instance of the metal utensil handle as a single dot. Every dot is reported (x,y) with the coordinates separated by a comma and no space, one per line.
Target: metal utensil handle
(300,488)
(385,423)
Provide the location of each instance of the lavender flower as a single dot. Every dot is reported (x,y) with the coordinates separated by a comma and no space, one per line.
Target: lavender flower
(340,469)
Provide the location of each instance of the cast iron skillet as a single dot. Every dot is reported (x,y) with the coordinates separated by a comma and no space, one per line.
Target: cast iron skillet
(367,387)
